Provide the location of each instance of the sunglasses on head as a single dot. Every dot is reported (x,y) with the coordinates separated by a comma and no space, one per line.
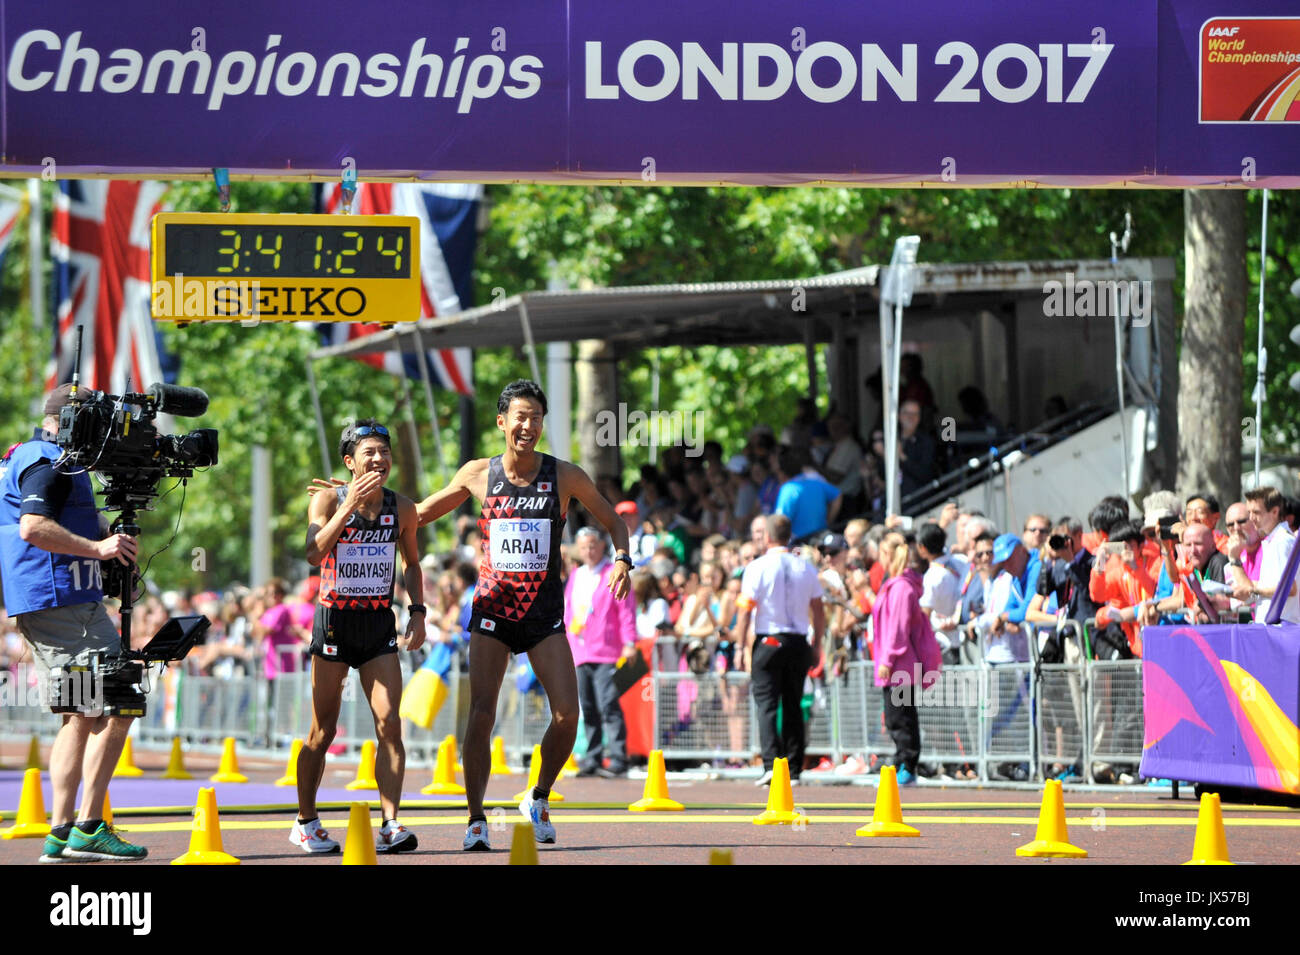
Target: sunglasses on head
(369,429)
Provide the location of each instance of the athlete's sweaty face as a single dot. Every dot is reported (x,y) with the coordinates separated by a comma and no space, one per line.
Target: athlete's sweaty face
(371,454)
(522,424)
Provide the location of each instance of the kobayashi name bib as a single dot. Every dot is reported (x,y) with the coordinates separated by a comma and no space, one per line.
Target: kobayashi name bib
(364,570)
(520,544)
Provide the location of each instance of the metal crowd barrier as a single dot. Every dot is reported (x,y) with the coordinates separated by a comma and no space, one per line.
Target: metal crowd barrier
(993,719)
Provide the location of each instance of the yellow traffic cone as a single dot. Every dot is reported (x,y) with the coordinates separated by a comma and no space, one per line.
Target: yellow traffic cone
(720,857)
(444,774)
(126,762)
(570,766)
(450,740)
(228,771)
(31,822)
(1052,838)
(534,772)
(107,815)
(655,798)
(366,771)
(34,753)
(887,817)
(780,799)
(290,777)
(523,849)
(205,837)
(1211,844)
(176,762)
(499,765)
(359,849)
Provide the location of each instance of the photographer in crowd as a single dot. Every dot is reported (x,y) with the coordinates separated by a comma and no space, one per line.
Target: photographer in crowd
(51,544)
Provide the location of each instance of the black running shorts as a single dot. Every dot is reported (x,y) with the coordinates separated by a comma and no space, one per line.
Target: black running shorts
(354,637)
(520,636)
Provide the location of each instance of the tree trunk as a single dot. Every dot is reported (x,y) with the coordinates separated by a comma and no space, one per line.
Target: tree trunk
(597,392)
(1210,426)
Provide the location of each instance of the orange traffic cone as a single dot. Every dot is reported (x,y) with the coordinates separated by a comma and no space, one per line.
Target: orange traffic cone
(228,771)
(444,774)
(290,777)
(655,798)
(534,773)
(523,848)
(31,822)
(366,770)
(205,837)
(126,762)
(499,765)
(1052,838)
(887,817)
(176,762)
(359,849)
(780,799)
(1211,844)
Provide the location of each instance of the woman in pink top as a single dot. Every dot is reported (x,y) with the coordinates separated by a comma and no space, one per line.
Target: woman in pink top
(281,638)
(905,649)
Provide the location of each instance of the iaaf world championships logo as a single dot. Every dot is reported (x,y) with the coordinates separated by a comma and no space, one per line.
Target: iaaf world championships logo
(1250,70)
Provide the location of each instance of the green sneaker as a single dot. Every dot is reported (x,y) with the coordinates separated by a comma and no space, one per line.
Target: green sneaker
(55,850)
(102,844)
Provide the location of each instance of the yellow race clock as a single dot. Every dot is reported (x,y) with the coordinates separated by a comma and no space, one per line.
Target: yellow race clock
(285,267)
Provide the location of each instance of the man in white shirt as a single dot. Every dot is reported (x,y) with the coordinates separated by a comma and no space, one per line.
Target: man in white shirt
(1264,504)
(781,592)
(941,591)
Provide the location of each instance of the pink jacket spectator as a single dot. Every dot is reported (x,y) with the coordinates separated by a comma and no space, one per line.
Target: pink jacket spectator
(608,628)
(903,636)
(282,648)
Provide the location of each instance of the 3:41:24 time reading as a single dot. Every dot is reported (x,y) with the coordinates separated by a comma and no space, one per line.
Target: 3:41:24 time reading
(290,252)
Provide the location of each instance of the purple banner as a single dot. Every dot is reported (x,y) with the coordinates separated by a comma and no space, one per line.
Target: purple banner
(943,92)
(1221,704)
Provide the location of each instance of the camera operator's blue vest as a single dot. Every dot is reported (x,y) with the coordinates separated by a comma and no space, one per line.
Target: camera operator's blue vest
(35,579)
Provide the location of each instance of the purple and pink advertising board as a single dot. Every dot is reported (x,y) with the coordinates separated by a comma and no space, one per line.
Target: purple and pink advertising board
(943,92)
(1221,705)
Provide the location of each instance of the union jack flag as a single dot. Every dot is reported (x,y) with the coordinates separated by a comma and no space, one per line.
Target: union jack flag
(100,248)
(12,205)
(447,213)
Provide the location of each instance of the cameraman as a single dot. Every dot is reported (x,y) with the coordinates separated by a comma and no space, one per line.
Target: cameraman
(50,549)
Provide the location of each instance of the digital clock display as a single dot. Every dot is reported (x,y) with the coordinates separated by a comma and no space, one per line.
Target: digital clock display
(285,267)
(352,251)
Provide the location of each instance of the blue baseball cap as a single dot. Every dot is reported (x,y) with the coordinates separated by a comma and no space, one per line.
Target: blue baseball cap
(1004,546)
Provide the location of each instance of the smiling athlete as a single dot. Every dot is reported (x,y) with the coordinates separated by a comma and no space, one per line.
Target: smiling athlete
(355,533)
(519,602)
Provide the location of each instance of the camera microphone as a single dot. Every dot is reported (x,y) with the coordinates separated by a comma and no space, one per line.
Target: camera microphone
(179,401)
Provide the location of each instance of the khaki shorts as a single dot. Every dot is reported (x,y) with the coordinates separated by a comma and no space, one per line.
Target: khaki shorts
(62,636)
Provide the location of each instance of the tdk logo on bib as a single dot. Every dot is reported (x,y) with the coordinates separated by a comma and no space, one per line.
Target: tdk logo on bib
(522,527)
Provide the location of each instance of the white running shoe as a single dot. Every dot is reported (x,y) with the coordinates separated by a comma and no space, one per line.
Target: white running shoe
(312,837)
(538,812)
(395,837)
(476,838)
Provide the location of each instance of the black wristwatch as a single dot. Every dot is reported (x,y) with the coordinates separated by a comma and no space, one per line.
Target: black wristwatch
(418,608)
(624,556)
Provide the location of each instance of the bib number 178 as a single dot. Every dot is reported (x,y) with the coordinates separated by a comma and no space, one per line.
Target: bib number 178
(86,575)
